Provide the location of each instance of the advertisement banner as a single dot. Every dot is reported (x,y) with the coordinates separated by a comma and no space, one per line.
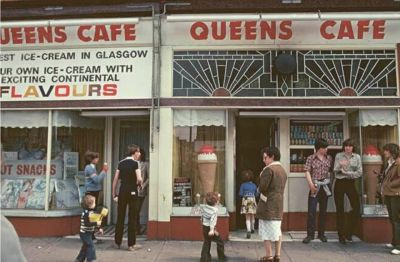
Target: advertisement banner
(76,74)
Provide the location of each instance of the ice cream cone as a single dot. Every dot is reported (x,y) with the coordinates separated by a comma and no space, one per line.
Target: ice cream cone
(207,174)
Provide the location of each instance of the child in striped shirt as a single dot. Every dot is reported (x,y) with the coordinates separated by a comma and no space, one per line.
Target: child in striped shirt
(87,228)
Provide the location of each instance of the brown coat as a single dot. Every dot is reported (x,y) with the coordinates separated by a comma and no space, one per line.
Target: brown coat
(391,182)
(272,185)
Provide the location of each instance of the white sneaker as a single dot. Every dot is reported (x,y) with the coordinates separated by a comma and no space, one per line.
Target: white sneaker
(389,246)
(395,251)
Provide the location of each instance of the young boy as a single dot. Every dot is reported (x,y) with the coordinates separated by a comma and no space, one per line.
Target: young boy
(209,221)
(87,228)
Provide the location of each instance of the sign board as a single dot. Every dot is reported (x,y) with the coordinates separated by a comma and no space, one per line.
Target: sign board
(30,169)
(182,195)
(76,74)
(39,35)
(218,32)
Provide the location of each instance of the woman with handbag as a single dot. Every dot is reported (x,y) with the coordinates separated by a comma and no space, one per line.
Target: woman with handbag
(270,207)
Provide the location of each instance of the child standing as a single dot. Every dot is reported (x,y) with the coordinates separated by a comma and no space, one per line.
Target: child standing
(86,231)
(248,192)
(209,221)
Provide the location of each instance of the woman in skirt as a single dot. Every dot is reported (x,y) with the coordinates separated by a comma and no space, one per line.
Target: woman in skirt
(270,207)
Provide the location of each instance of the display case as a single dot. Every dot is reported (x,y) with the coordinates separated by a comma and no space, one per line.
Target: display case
(303,134)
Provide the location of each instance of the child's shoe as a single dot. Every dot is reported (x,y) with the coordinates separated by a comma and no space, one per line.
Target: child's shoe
(252,231)
(248,235)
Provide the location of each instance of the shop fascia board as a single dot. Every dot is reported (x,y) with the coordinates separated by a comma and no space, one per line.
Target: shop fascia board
(115,113)
(70,22)
(285,16)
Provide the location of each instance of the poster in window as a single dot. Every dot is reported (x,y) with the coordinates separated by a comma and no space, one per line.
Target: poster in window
(71,161)
(10,189)
(182,195)
(67,194)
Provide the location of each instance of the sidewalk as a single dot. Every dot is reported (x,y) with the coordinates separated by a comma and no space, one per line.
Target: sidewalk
(66,249)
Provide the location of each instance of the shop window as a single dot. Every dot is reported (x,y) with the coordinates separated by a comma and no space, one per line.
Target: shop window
(198,155)
(73,135)
(23,159)
(377,128)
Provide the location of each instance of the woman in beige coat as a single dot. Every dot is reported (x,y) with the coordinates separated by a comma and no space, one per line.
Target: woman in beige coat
(270,207)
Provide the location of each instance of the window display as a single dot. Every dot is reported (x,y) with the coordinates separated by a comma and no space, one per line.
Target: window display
(199,152)
(24,157)
(303,134)
(377,128)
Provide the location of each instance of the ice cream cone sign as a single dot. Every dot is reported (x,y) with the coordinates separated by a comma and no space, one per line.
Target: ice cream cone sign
(207,164)
(372,162)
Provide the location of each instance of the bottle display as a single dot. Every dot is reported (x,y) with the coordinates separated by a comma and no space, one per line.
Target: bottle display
(304,133)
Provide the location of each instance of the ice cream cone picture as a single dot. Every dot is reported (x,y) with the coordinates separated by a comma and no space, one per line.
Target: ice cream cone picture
(207,164)
(372,162)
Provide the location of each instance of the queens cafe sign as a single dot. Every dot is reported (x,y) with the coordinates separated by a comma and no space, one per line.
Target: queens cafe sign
(114,60)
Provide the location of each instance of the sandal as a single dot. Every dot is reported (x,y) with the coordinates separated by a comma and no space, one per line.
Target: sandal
(267,259)
(277,258)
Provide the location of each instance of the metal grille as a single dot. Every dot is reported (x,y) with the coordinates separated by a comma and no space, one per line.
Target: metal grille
(252,73)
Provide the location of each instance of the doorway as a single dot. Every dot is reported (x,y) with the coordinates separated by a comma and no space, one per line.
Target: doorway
(133,130)
(252,135)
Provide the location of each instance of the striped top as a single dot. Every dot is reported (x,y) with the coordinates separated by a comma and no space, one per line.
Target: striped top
(86,225)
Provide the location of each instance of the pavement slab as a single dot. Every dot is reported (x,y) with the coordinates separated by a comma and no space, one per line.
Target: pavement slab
(66,249)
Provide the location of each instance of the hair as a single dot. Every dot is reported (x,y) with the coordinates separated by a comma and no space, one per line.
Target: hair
(88,201)
(349,142)
(272,152)
(212,198)
(142,155)
(132,149)
(393,149)
(89,156)
(247,175)
(320,143)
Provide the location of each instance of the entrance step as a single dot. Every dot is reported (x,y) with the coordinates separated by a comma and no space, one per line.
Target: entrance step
(290,236)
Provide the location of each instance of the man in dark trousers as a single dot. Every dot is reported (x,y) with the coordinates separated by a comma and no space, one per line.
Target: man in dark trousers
(129,173)
(317,168)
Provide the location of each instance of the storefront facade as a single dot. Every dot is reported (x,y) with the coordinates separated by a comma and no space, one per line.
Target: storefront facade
(69,86)
(237,83)
(228,86)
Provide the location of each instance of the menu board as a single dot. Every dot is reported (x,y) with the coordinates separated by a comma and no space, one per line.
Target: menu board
(182,195)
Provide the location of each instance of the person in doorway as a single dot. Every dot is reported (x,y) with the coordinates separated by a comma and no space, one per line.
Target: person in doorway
(94,182)
(88,251)
(143,190)
(209,216)
(391,192)
(248,192)
(347,169)
(129,173)
(270,207)
(317,168)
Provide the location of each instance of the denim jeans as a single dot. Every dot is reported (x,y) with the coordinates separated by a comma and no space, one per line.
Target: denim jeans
(87,250)
(322,199)
(393,206)
(205,251)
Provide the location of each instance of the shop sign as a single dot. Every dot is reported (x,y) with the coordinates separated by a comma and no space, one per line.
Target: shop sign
(285,32)
(39,36)
(76,74)
(14,169)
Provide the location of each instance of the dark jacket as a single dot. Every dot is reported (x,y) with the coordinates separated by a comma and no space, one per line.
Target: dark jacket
(272,185)
(391,182)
